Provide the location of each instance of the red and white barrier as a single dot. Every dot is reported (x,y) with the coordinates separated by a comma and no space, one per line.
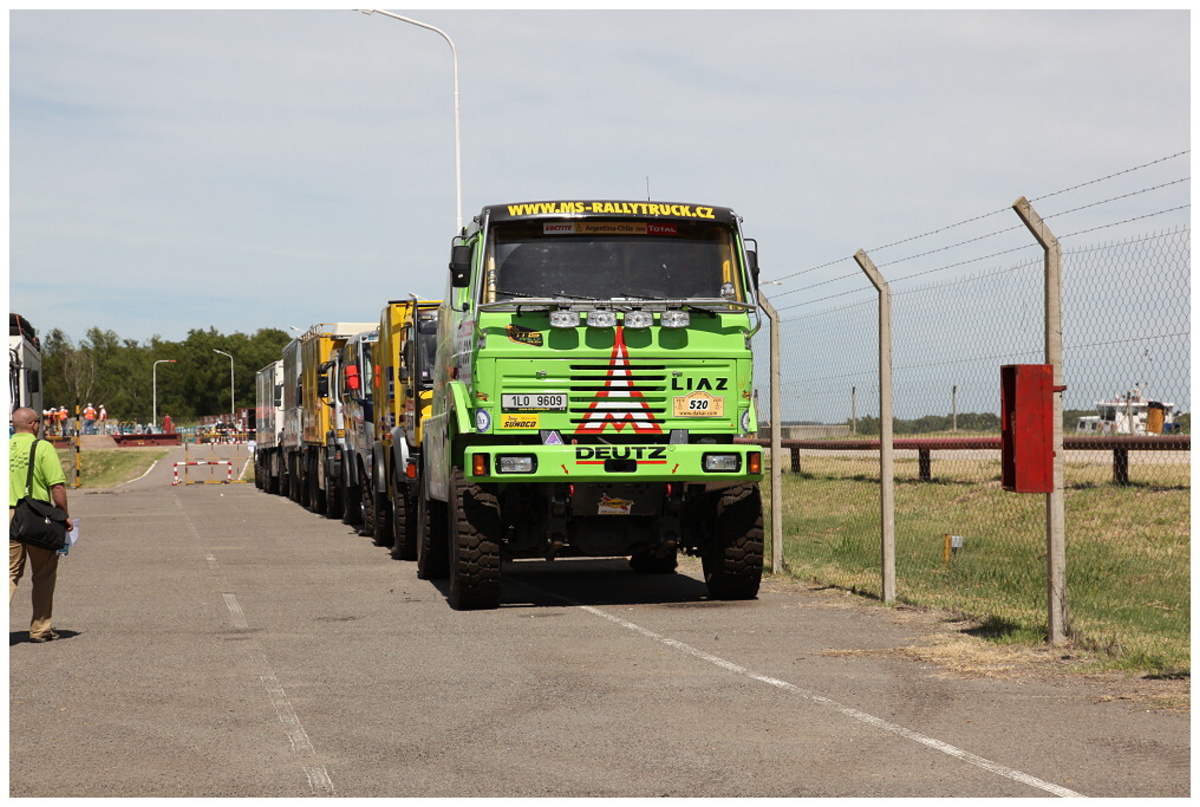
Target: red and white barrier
(227,480)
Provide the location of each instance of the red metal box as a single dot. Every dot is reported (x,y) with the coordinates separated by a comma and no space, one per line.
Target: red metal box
(1027,427)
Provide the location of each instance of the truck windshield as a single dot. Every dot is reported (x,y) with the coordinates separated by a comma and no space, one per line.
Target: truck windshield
(605,260)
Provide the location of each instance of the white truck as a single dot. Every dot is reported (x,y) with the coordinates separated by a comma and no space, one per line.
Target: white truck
(268,430)
(24,365)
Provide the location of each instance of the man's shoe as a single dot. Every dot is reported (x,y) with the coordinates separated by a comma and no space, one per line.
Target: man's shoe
(43,637)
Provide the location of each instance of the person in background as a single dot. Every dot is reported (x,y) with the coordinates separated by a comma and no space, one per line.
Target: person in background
(49,485)
(63,429)
(103,420)
(89,419)
(167,424)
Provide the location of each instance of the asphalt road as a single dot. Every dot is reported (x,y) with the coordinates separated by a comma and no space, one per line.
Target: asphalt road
(219,641)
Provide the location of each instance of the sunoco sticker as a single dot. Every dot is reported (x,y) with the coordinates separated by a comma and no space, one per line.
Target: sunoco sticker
(614,507)
(519,421)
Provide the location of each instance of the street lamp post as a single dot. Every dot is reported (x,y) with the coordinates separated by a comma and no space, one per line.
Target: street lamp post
(232,406)
(457,128)
(154,409)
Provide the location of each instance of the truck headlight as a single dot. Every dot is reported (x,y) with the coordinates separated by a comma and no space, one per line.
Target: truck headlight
(723,462)
(564,319)
(516,464)
(601,319)
(675,319)
(639,319)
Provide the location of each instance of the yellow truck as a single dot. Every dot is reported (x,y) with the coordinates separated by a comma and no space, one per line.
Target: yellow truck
(314,432)
(402,388)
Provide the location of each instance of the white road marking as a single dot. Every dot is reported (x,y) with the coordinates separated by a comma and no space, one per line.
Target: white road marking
(319,782)
(863,717)
(239,616)
(143,476)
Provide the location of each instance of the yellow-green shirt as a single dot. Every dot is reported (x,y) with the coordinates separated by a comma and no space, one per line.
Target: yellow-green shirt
(47,472)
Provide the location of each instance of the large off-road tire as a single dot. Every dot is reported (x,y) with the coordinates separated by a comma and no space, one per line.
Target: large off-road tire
(733,557)
(433,560)
(474,551)
(316,496)
(383,520)
(302,483)
(351,504)
(366,503)
(404,522)
(333,498)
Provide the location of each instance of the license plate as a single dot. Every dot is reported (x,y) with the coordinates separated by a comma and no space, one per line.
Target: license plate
(534,402)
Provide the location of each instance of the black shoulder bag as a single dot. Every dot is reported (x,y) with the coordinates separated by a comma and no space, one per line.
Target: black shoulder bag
(35,522)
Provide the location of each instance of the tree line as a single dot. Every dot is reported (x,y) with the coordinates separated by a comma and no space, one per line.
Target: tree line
(119,373)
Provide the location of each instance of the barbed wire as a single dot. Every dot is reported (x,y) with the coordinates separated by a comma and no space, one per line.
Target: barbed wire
(1126,221)
(814,285)
(1112,176)
(997,212)
(1116,198)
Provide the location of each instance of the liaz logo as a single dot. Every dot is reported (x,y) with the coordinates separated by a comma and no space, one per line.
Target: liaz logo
(619,393)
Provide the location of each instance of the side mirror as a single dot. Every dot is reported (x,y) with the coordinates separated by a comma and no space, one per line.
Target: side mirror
(460,266)
(752,263)
(323,386)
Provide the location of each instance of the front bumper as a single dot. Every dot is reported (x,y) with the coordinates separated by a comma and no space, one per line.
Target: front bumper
(707,463)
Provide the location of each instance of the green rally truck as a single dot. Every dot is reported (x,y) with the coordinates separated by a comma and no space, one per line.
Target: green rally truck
(593,369)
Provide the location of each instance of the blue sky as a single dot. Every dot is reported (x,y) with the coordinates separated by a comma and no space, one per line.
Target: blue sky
(181,169)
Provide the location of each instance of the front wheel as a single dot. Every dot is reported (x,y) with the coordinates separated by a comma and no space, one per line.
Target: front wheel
(404,522)
(433,561)
(474,545)
(366,499)
(733,557)
(333,498)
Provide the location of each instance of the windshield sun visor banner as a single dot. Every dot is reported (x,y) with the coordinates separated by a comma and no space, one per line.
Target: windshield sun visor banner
(643,210)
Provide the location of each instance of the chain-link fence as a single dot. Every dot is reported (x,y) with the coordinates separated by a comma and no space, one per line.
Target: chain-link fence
(961,541)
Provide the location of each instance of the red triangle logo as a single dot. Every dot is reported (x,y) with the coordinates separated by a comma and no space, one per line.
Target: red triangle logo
(619,393)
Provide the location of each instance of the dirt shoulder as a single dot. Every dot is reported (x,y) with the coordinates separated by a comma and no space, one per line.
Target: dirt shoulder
(950,643)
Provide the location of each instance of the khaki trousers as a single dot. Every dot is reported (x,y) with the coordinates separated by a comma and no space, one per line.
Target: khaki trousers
(44,571)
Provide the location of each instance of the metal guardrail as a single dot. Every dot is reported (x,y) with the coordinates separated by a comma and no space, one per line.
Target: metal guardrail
(1120,445)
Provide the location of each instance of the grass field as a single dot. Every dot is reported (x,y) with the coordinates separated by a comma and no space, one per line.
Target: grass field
(106,468)
(1128,551)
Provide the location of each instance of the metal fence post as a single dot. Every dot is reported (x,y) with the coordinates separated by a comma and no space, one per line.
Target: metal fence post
(776,440)
(887,525)
(1056,563)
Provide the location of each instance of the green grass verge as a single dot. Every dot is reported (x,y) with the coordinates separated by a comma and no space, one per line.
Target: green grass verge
(1128,551)
(106,468)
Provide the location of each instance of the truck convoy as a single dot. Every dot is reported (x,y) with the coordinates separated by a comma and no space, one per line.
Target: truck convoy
(313,431)
(579,391)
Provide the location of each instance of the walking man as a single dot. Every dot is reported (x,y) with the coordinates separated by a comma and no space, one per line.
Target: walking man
(49,485)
